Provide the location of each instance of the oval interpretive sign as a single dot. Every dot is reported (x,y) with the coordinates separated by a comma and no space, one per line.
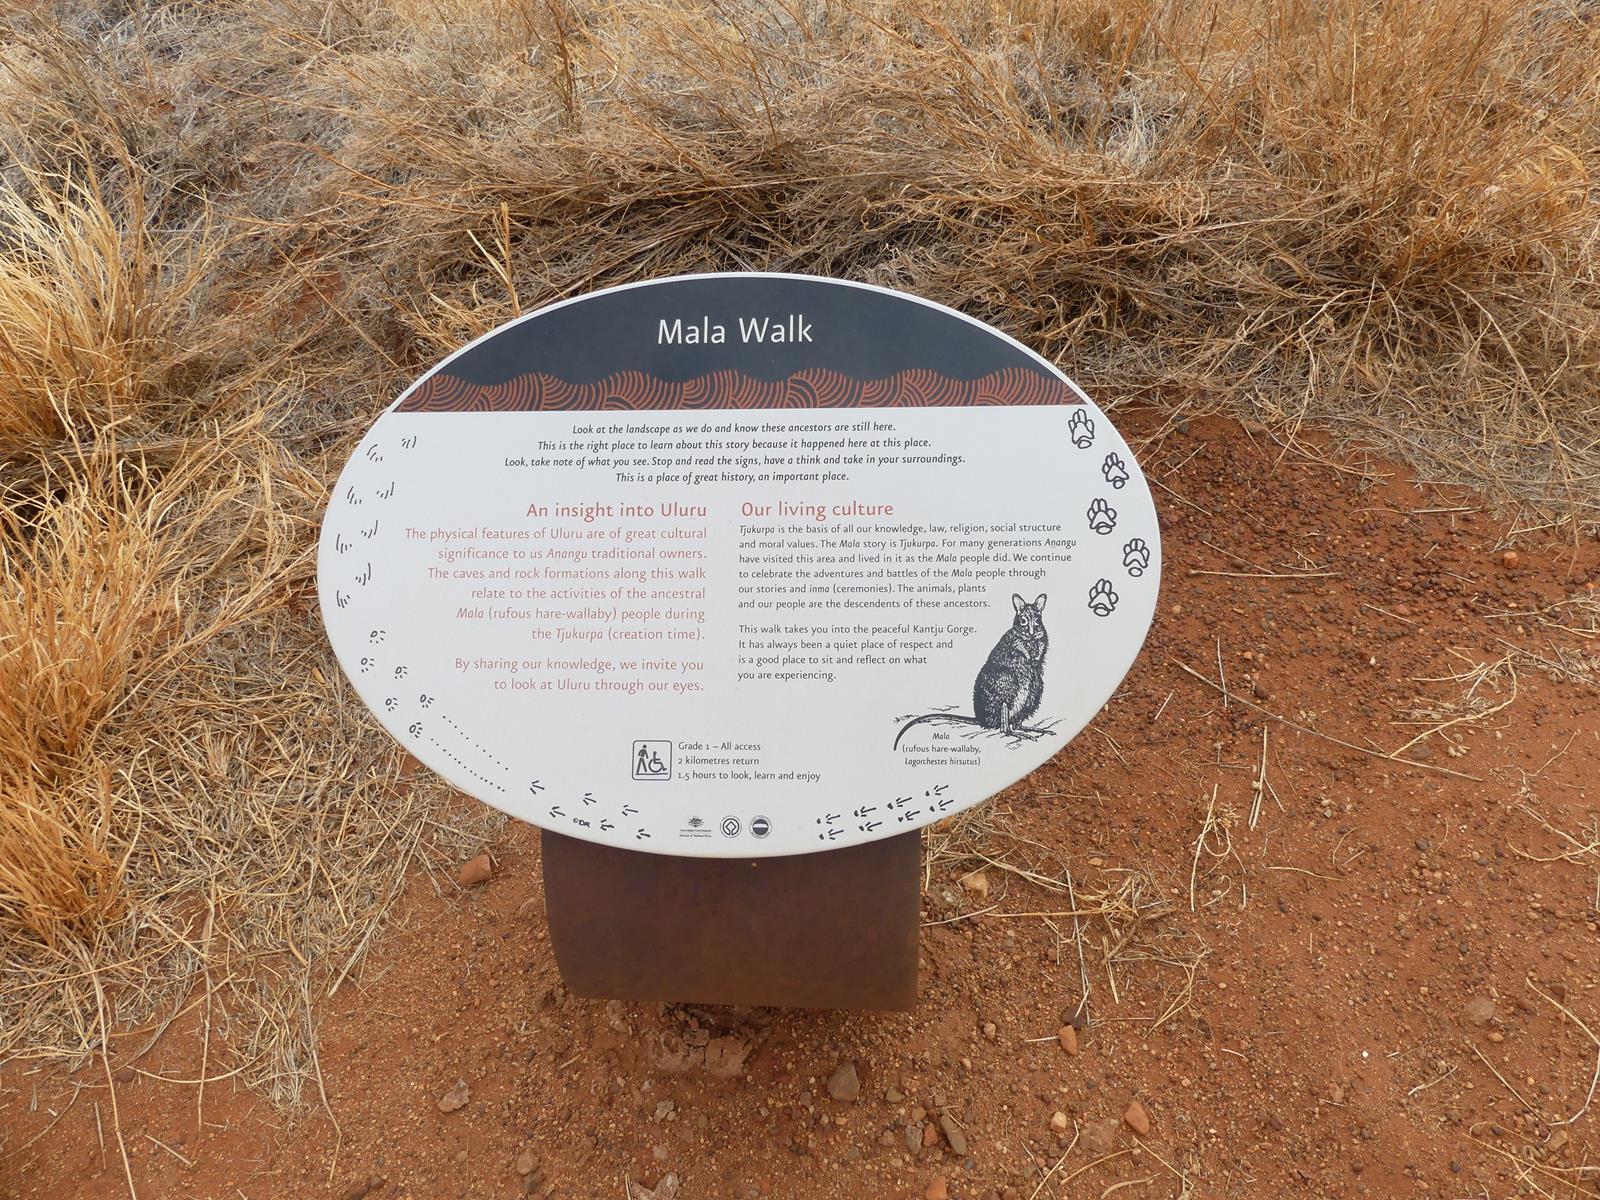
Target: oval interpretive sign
(739,565)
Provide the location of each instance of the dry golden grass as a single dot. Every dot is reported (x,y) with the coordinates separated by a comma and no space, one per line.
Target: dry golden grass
(229,233)
(80,317)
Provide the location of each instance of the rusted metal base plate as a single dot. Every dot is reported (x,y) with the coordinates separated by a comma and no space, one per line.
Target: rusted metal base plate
(831,930)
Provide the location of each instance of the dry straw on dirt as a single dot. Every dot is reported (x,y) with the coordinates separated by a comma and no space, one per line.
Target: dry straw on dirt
(230,232)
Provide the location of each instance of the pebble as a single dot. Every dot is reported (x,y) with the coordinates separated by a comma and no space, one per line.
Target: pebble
(1059,1123)
(1098,1137)
(991,1030)
(1480,1010)
(725,1057)
(844,1084)
(125,1075)
(930,1136)
(456,1097)
(893,1095)
(937,1189)
(475,871)
(1511,560)
(953,1134)
(667,1189)
(1068,1037)
(1138,1120)
(525,1162)
(976,882)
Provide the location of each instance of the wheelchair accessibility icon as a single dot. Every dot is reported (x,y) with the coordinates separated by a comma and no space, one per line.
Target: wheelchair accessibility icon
(652,760)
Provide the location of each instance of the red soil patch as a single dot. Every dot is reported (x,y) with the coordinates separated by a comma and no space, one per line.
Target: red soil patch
(1365,954)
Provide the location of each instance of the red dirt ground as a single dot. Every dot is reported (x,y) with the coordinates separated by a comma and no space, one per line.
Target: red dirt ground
(1380,959)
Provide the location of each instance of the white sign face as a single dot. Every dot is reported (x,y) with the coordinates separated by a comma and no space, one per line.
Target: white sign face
(739,565)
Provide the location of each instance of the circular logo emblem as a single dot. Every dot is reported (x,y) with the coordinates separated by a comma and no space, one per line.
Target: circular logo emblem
(760,827)
(731,826)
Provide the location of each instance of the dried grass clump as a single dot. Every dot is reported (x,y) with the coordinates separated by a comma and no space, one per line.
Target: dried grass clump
(1377,220)
(83,589)
(87,312)
(187,791)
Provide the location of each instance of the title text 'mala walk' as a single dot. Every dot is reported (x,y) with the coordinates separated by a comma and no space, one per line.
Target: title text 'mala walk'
(790,328)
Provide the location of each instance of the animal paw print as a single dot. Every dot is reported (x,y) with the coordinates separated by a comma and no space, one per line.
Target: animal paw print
(1081,427)
(1102,517)
(1103,598)
(1115,470)
(1136,557)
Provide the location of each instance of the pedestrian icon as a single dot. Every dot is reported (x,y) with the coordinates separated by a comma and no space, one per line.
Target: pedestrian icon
(652,760)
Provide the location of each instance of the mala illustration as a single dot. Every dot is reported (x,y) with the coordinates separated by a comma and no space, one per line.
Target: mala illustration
(1010,684)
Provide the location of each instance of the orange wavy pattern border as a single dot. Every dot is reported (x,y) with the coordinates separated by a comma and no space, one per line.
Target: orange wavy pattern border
(811,388)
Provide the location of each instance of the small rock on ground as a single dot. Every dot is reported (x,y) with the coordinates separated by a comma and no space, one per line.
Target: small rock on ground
(725,1057)
(1098,1137)
(953,1134)
(456,1097)
(1068,1037)
(475,871)
(1138,1120)
(1059,1123)
(667,1189)
(526,1162)
(937,1189)
(1480,1010)
(844,1084)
